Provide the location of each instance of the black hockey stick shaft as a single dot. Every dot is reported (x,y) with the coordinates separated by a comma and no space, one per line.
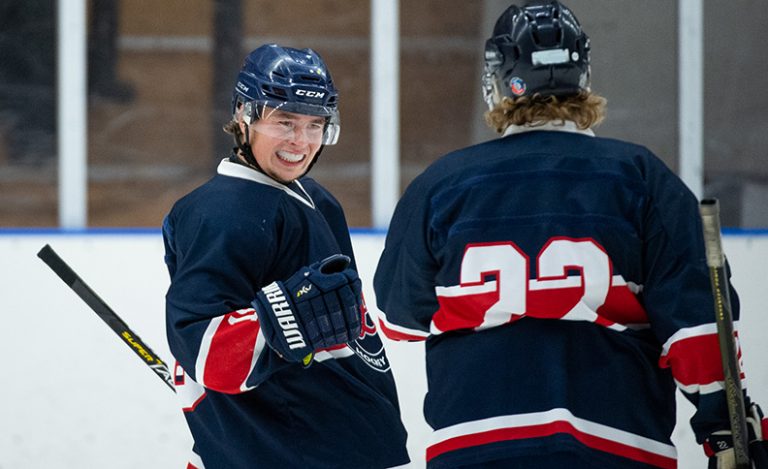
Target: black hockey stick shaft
(100,307)
(710,217)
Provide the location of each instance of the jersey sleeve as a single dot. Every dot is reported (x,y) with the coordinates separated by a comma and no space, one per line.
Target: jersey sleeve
(678,298)
(216,261)
(404,281)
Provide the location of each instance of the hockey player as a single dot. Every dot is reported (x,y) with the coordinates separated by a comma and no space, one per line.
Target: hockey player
(278,363)
(558,279)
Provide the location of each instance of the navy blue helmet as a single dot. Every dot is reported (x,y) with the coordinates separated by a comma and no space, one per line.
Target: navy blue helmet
(292,80)
(539,48)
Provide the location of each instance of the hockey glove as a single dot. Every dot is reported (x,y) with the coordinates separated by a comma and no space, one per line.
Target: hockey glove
(317,307)
(719,445)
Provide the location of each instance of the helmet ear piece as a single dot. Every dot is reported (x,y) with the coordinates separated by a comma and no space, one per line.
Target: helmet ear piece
(246,111)
(493,56)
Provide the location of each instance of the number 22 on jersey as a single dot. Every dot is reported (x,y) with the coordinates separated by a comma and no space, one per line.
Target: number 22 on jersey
(573,280)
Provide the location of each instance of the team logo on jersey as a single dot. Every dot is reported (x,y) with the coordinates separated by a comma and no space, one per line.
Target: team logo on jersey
(517,86)
(368,347)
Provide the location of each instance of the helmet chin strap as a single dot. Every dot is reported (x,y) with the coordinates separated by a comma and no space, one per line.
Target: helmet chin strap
(317,155)
(245,150)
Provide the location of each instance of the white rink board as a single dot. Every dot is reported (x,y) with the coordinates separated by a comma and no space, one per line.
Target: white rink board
(74,396)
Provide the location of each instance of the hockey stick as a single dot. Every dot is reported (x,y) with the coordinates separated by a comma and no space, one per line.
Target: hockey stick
(710,217)
(73,281)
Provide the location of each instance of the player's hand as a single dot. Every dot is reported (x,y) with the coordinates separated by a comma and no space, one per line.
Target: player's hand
(317,307)
(719,445)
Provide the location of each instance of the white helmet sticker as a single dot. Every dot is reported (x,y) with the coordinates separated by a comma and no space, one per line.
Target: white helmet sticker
(550,57)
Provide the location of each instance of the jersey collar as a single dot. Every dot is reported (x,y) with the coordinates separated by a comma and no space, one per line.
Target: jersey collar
(228,168)
(566,126)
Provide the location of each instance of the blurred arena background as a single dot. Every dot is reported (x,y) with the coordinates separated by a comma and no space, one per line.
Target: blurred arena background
(160,81)
(161,73)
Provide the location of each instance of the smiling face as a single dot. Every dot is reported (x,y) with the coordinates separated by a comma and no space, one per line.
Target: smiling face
(284,143)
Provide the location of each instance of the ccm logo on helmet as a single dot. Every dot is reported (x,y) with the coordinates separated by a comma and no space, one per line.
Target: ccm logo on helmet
(310,93)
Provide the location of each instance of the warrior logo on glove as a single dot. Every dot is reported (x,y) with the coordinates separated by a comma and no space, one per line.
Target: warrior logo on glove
(317,307)
(284,315)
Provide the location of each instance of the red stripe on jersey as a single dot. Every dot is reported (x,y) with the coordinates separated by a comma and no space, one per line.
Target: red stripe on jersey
(695,360)
(397,335)
(708,450)
(621,306)
(463,312)
(468,311)
(549,429)
(552,303)
(229,358)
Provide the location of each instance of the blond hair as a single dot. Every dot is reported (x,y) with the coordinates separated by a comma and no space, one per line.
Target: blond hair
(585,109)
(232,127)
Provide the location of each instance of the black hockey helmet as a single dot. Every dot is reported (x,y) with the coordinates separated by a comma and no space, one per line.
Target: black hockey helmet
(292,80)
(539,48)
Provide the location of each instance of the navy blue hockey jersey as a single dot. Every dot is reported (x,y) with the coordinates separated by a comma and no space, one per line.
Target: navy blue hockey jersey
(560,283)
(245,406)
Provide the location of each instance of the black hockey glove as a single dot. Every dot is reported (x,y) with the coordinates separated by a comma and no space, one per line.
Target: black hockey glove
(719,445)
(316,308)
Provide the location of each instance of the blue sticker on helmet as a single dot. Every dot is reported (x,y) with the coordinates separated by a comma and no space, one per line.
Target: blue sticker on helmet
(517,86)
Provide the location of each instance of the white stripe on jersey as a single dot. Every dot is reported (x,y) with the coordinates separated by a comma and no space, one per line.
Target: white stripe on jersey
(205,347)
(687,333)
(261,344)
(554,415)
(401,329)
(331,354)
(708,388)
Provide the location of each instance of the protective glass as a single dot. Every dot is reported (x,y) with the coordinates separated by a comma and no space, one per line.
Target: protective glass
(294,121)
